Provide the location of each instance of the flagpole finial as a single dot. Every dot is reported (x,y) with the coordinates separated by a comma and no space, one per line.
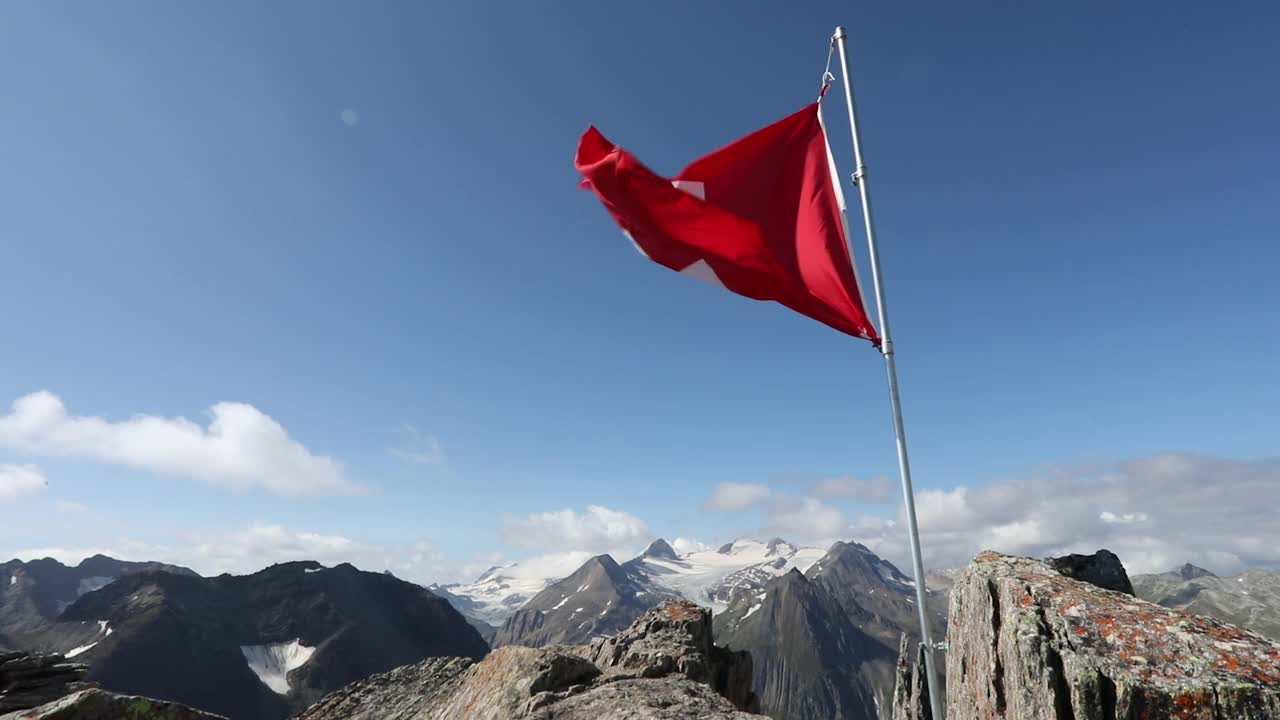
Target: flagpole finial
(839,33)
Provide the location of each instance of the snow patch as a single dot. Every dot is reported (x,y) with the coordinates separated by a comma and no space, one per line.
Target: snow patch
(311,570)
(77,650)
(13,579)
(582,587)
(273,663)
(753,608)
(560,604)
(104,628)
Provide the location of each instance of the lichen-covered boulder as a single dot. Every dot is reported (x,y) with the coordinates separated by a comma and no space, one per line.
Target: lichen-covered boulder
(1028,643)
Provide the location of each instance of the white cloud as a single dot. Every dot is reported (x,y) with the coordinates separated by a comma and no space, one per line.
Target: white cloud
(242,447)
(1108,516)
(684,546)
(1155,513)
(806,518)
(872,490)
(19,480)
(736,496)
(419,448)
(598,529)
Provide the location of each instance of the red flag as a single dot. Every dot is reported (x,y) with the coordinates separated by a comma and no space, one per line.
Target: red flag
(760,216)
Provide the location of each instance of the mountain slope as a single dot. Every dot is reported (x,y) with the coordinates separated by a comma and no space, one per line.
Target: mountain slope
(33,594)
(1251,600)
(601,598)
(809,659)
(824,643)
(260,646)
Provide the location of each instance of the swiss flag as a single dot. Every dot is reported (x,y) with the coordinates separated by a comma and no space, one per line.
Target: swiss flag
(760,216)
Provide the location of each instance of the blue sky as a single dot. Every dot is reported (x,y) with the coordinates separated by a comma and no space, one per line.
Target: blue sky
(355,218)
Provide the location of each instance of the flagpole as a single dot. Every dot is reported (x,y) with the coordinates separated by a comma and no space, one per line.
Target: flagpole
(886,346)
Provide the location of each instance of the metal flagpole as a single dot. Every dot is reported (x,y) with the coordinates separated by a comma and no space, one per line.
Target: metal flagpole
(904,465)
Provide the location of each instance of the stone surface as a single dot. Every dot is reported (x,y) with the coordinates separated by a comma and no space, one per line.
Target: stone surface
(93,704)
(663,666)
(30,680)
(1102,568)
(676,638)
(1028,643)
(911,686)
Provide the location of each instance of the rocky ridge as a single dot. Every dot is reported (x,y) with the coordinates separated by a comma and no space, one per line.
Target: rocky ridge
(1027,642)
(1251,599)
(47,687)
(664,666)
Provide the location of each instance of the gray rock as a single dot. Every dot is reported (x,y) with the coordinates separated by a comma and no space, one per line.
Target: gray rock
(663,666)
(1028,643)
(676,638)
(1102,568)
(93,704)
(666,699)
(27,681)
(911,688)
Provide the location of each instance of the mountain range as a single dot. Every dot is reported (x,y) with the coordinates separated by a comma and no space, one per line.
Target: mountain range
(1251,600)
(822,626)
(258,647)
(33,594)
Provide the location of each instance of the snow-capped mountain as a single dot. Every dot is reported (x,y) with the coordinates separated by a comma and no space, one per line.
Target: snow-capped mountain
(708,577)
(503,589)
(713,577)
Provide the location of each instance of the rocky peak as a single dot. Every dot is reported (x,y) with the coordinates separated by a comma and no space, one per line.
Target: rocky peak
(1191,572)
(662,666)
(1026,641)
(1102,568)
(676,638)
(660,549)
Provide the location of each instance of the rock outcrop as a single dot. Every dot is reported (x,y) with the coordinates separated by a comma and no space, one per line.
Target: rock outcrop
(47,687)
(93,704)
(677,639)
(662,667)
(1028,643)
(1102,568)
(911,687)
(30,680)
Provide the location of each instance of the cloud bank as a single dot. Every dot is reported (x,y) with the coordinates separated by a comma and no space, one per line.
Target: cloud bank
(241,447)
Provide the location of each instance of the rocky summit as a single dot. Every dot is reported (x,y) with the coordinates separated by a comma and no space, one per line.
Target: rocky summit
(1029,643)
(663,667)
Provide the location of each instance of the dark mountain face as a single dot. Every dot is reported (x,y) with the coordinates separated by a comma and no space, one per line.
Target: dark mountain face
(824,643)
(809,659)
(601,598)
(260,646)
(33,594)
(661,549)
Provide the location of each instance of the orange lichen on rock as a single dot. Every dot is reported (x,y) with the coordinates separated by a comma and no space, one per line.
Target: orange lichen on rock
(1026,642)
